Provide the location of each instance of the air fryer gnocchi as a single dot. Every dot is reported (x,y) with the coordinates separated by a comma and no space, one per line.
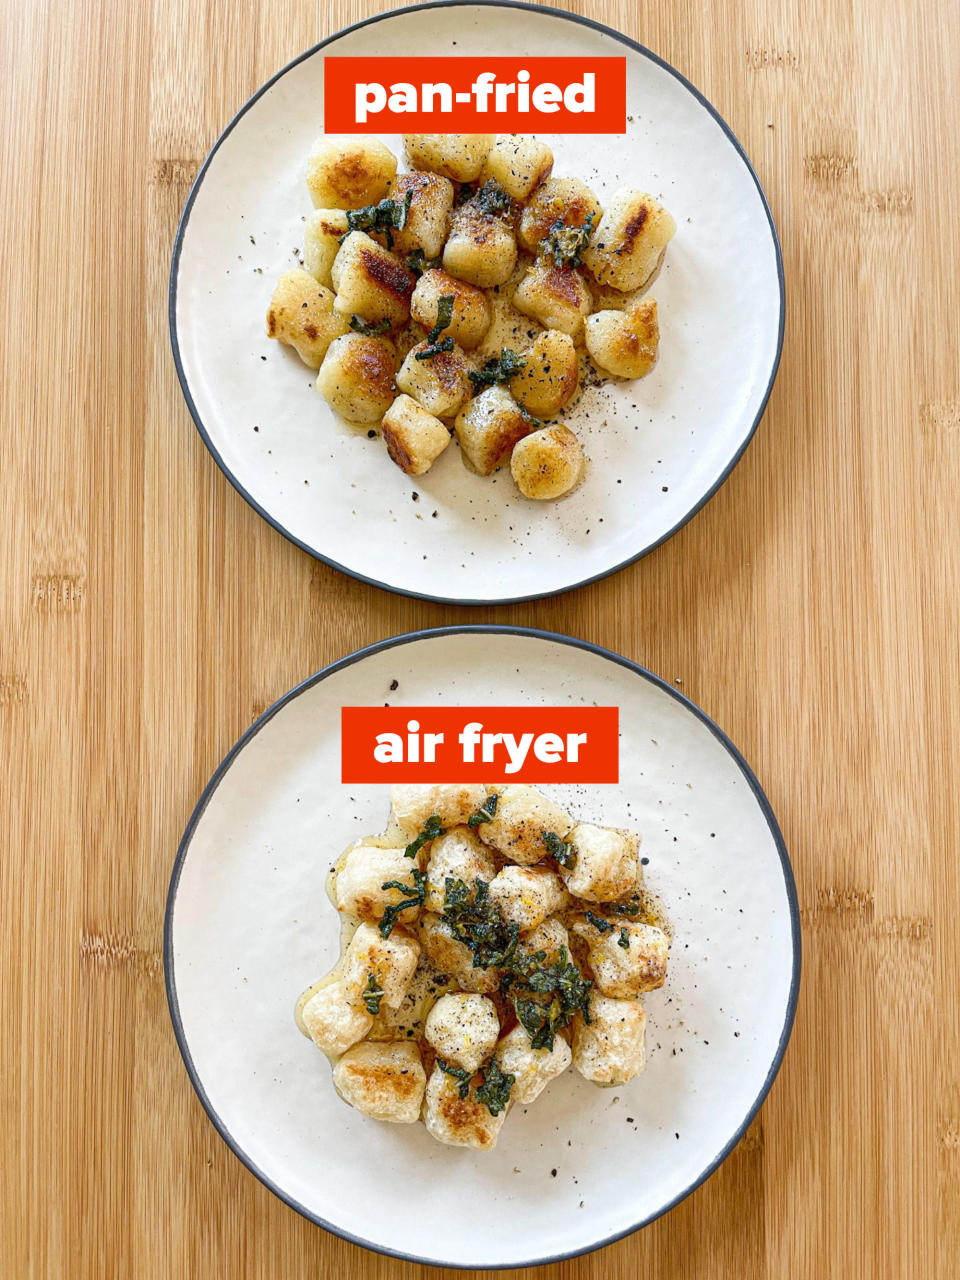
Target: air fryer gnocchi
(465,298)
(490,941)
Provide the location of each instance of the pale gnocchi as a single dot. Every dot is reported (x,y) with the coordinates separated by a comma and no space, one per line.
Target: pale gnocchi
(491,942)
(436,266)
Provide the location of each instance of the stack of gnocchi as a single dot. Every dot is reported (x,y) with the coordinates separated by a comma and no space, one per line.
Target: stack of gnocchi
(455,300)
(490,941)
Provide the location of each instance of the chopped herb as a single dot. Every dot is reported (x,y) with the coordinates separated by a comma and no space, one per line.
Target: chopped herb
(444,316)
(387,216)
(624,939)
(598,922)
(500,369)
(570,992)
(418,262)
(430,830)
(629,907)
(436,344)
(562,850)
(492,199)
(486,812)
(476,922)
(536,423)
(566,244)
(434,349)
(494,1093)
(457,1073)
(372,996)
(417,892)
(369,328)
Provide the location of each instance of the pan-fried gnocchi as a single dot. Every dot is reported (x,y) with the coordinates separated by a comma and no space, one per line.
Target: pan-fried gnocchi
(499,288)
(491,941)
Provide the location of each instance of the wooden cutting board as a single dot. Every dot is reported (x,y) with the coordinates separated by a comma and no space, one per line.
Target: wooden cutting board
(148,615)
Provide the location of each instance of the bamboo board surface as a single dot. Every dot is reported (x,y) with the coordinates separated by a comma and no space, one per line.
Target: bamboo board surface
(147,615)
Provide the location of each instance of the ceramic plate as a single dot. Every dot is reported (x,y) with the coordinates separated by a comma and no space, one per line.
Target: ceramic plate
(657,448)
(249,925)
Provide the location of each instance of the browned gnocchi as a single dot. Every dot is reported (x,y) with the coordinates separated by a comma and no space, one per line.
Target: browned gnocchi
(491,282)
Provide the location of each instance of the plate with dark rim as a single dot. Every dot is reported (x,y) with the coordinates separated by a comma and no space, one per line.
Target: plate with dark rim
(249,926)
(657,448)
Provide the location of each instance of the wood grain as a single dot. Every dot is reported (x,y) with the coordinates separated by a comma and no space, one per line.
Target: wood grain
(148,615)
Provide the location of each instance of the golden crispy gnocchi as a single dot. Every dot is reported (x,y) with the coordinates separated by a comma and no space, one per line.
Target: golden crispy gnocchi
(550,376)
(371,283)
(550,936)
(624,343)
(459,156)
(525,261)
(384,1081)
(441,382)
(458,1120)
(322,234)
(629,241)
(565,200)
(301,315)
(488,427)
(356,377)
(350,173)
(414,438)
(548,463)
(519,163)
(556,297)
(427,222)
(481,247)
(471,309)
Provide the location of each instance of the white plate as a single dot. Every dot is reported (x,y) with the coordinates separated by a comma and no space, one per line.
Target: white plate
(658,448)
(249,926)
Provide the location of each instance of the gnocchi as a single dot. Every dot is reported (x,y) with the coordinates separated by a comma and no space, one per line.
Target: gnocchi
(371,283)
(432,265)
(629,240)
(547,464)
(456,155)
(625,343)
(488,427)
(493,942)
(356,377)
(549,379)
(441,384)
(414,437)
(301,315)
(348,174)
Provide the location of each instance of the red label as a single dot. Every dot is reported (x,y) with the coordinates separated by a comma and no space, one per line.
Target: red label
(474,95)
(480,744)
